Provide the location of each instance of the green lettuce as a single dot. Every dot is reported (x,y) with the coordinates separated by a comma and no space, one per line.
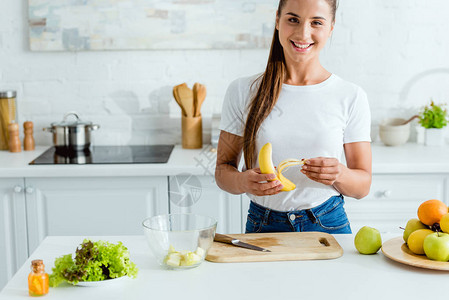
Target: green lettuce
(94,261)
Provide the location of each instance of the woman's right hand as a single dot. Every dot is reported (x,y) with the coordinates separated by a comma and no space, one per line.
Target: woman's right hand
(258,184)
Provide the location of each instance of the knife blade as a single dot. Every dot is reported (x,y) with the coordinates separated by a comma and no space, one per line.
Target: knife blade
(236,242)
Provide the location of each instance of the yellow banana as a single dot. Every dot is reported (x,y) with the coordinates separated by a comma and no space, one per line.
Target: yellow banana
(267,167)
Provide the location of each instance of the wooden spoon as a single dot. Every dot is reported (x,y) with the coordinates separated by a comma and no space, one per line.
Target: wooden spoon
(411,119)
(186,97)
(196,87)
(178,100)
(201,94)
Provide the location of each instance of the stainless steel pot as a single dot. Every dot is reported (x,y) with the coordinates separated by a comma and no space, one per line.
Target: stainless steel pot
(72,135)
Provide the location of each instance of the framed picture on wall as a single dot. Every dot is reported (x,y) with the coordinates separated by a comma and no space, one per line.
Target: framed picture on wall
(77,25)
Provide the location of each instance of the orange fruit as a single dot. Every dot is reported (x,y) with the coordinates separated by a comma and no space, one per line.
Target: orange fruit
(431,211)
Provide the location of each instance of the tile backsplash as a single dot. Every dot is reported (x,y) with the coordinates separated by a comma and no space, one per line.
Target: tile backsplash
(396,50)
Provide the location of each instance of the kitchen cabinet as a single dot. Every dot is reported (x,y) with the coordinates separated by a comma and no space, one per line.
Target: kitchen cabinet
(446,188)
(91,206)
(13,235)
(245,206)
(33,208)
(394,199)
(201,195)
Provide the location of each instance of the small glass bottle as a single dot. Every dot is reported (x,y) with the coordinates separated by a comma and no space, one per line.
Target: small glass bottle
(38,279)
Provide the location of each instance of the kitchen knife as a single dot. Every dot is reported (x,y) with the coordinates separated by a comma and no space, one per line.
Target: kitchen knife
(230,240)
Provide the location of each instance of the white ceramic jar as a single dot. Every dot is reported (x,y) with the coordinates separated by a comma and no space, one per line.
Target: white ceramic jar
(434,137)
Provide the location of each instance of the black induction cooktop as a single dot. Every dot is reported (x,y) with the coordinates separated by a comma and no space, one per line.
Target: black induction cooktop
(149,154)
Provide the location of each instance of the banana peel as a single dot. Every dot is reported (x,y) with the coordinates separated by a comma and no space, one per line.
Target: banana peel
(266,166)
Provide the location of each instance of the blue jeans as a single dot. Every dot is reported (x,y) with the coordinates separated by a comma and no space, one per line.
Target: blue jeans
(329,217)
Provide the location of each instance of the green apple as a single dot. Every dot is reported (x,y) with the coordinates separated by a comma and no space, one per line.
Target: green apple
(412,225)
(368,240)
(436,246)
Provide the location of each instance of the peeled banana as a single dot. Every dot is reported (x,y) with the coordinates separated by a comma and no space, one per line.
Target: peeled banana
(266,167)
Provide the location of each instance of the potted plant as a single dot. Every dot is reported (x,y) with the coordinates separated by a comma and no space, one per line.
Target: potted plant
(433,118)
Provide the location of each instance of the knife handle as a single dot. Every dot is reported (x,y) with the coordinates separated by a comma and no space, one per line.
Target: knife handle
(223,238)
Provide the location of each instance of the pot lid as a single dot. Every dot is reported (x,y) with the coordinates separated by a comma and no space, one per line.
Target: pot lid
(73,121)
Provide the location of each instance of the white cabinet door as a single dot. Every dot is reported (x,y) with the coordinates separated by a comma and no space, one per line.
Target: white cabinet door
(446,187)
(13,236)
(201,195)
(92,206)
(393,200)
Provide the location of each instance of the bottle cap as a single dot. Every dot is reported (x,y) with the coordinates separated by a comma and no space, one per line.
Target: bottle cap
(13,127)
(8,94)
(37,265)
(37,262)
(28,124)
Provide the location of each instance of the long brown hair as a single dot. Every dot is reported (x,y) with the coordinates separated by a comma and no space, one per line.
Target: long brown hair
(268,90)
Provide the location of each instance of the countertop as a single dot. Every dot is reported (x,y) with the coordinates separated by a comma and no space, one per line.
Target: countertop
(352,276)
(193,161)
(406,159)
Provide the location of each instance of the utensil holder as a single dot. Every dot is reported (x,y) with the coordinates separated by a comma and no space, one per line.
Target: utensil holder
(192,132)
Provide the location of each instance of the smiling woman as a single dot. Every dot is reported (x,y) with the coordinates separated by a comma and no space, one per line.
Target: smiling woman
(303,110)
(304,29)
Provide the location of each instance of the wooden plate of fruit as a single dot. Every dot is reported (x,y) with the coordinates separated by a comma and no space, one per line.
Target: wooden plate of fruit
(427,238)
(397,250)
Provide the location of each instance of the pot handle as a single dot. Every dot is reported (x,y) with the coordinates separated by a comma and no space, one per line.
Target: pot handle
(93,127)
(49,129)
(71,113)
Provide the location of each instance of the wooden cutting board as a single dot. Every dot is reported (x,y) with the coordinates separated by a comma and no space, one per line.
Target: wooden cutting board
(283,246)
(397,250)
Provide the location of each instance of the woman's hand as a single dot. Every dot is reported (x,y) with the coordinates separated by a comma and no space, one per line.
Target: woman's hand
(325,170)
(256,183)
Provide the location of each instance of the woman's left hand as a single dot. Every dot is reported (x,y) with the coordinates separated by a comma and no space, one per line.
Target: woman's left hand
(325,170)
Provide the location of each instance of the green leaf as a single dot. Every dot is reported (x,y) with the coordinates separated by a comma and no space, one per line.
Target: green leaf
(62,264)
(433,116)
(94,261)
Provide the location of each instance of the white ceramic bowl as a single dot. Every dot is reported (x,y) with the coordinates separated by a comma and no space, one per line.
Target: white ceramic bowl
(189,236)
(392,133)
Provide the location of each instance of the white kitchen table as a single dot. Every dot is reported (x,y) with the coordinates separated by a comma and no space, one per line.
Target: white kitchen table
(352,276)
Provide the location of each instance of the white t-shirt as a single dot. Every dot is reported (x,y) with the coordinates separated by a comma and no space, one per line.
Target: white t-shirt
(306,122)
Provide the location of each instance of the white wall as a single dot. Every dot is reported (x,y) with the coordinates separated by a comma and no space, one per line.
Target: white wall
(396,50)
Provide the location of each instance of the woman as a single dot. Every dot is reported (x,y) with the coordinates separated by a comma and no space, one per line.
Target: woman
(304,111)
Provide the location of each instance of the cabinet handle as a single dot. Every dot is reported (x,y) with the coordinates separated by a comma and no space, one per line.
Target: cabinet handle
(18,189)
(386,193)
(29,190)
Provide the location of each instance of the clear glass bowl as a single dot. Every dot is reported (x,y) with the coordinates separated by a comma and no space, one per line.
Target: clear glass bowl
(180,241)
